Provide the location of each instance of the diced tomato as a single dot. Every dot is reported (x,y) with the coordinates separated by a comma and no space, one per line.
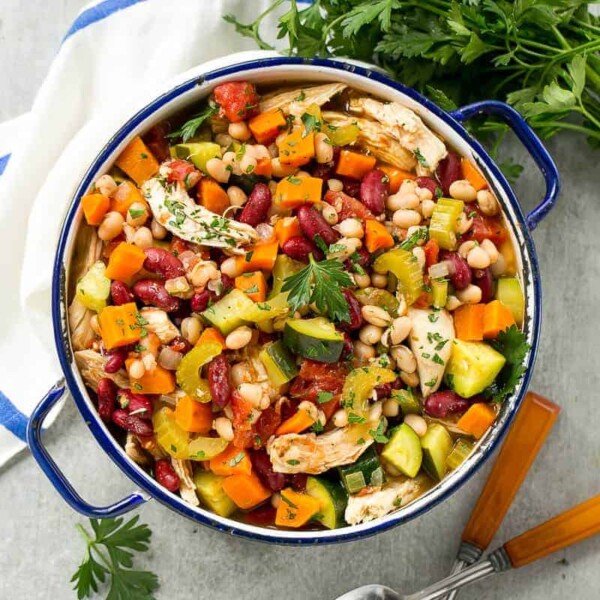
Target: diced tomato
(238,100)
(432,251)
(156,141)
(347,207)
(265,427)
(242,429)
(178,246)
(184,172)
(483,227)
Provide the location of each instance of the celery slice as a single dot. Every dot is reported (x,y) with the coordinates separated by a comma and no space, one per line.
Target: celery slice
(403,264)
(461,451)
(509,292)
(444,222)
(439,292)
(342,135)
(93,289)
(409,403)
(359,386)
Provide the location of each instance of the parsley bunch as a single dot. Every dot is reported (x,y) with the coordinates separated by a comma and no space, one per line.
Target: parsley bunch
(110,553)
(541,56)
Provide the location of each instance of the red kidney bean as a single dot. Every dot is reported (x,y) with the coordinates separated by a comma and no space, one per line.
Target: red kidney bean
(115,359)
(119,417)
(348,347)
(460,272)
(156,139)
(258,205)
(138,404)
(154,293)
(374,189)
(299,248)
(440,404)
(483,279)
(120,293)
(430,184)
(201,299)
(448,171)
(298,481)
(219,380)
(312,224)
(180,344)
(264,469)
(163,263)
(107,398)
(324,171)
(165,474)
(227,284)
(385,389)
(263,515)
(351,186)
(356,318)
(139,426)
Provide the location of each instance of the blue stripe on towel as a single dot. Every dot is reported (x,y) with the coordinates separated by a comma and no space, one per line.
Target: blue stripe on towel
(3,162)
(97,13)
(12,418)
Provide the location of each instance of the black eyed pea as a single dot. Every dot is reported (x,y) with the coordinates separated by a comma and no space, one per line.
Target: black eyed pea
(470,295)
(375,315)
(111,226)
(461,189)
(399,330)
(404,358)
(487,203)
(478,258)
(238,338)
(370,334)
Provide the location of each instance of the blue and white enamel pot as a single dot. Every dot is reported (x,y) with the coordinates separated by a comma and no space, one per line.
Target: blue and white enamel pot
(270,68)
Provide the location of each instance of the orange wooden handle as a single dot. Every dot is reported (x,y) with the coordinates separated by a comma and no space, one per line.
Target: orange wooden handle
(564,530)
(525,438)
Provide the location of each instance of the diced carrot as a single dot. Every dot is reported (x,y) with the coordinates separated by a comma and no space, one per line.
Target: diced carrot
(211,334)
(95,206)
(396,176)
(254,285)
(260,257)
(477,420)
(432,252)
(496,318)
(297,423)
(246,491)
(137,161)
(156,381)
(125,260)
(286,228)
(263,167)
(193,416)
(297,148)
(292,191)
(119,325)
(124,196)
(377,236)
(295,509)
(354,165)
(232,461)
(468,322)
(472,175)
(266,126)
(212,196)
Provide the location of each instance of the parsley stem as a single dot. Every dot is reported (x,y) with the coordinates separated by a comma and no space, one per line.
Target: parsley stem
(92,547)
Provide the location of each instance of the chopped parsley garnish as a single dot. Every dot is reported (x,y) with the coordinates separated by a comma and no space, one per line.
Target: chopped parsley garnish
(236,460)
(189,128)
(323,397)
(311,123)
(420,158)
(354,418)
(378,434)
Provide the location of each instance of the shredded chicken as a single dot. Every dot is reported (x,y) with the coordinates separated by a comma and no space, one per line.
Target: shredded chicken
(431,336)
(91,367)
(177,212)
(396,493)
(160,324)
(296,100)
(135,451)
(374,137)
(406,126)
(314,454)
(187,487)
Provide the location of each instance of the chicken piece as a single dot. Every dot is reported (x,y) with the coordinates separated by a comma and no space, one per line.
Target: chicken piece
(82,334)
(396,493)
(298,99)
(187,487)
(406,126)
(374,137)
(91,366)
(135,451)
(160,324)
(173,208)
(431,340)
(314,454)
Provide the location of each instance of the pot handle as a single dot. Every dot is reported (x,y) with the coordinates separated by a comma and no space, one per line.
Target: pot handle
(55,475)
(531,142)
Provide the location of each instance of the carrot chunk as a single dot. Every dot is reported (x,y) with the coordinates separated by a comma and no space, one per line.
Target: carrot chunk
(396,176)
(156,381)
(478,418)
(246,491)
(119,325)
(292,191)
(212,196)
(286,228)
(124,261)
(297,148)
(211,334)
(232,461)
(354,165)
(260,257)
(263,167)
(124,196)
(472,175)
(497,318)
(266,126)
(95,206)
(295,509)
(137,161)
(297,423)
(468,322)
(377,236)
(254,285)
(193,416)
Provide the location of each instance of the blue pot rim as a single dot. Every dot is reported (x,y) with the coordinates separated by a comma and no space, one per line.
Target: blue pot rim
(154,489)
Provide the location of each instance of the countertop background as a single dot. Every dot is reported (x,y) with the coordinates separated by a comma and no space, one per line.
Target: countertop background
(41,548)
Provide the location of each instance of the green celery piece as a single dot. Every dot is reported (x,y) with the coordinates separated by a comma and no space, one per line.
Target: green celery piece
(439,291)
(93,289)
(444,222)
(461,451)
(403,264)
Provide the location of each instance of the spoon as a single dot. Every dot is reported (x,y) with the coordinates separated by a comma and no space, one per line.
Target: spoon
(527,435)
(567,528)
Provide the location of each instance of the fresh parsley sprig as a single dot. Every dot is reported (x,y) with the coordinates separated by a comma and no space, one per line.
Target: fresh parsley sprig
(188,130)
(109,553)
(320,283)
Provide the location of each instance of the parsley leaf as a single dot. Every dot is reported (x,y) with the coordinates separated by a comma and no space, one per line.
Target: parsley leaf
(189,128)
(378,434)
(324,397)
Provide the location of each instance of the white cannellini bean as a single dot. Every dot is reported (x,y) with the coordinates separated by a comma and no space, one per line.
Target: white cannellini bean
(236,195)
(410,379)
(239,131)
(402,306)
(375,412)
(335,185)
(375,315)
(260,151)
(464,223)
(302,174)
(158,231)
(310,409)
(401,200)
(230,267)
(202,273)
(461,189)
(427,207)
(385,340)
(491,250)
(240,373)
(452,303)
(106,185)
(423,233)
(275,500)
(223,426)
(408,186)
(136,369)
(169,359)
(370,334)
(149,359)
(111,226)
(379,281)
(191,328)
(238,338)
(470,295)
(419,254)
(218,170)
(142,238)
(478,258)
(424,193)
(417,423)
(248,163)
(340,418)
(351,228)
(499,267)
(362,280)
(399,330)
(404,358)
(350,245)
(323,148)
(363,351)
(487,203)
(251,392)
(405,218)
(329,214)
(390,408)
(466,247)
(280,170)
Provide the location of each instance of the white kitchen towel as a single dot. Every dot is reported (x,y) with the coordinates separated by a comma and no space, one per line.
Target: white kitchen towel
(110,61)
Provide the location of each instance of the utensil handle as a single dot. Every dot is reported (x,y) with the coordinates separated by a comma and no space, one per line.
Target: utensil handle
(55,475)
(566,529)
(532,143)
(527,435)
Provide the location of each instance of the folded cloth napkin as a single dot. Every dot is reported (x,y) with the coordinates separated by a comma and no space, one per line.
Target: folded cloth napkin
(110,61)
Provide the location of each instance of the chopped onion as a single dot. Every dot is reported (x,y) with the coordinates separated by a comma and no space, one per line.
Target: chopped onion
(440,270)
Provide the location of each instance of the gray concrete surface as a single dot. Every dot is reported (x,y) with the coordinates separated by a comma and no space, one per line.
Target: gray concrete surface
(40,547)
